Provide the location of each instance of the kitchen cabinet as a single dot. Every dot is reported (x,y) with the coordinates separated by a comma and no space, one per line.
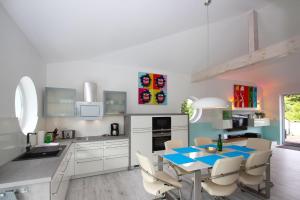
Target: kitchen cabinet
(115,102)
(61,179)
(101,156)
(140,129)
(116,154)
(180,128)
(140,142)
(259,122)
(180,135)
(88,157)
(223,119)
(59,102)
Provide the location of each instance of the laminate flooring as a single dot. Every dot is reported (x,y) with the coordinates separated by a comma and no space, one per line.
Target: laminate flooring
(127,185)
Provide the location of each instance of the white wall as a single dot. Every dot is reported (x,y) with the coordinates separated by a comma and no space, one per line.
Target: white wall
(219,88)
(17,59)
(117,78)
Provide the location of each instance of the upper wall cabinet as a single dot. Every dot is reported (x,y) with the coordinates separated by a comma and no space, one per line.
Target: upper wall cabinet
(114,103)
(59,102)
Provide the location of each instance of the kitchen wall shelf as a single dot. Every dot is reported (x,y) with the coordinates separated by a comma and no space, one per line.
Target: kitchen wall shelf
(115,103)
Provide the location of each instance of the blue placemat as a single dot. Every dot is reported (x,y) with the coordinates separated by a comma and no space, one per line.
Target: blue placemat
(208,145)
(239,148)
(178,159)
(186,150)
(210,160)
(236,154)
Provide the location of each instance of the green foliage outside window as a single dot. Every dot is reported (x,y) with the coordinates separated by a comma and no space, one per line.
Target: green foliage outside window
(292,107)
(186,108)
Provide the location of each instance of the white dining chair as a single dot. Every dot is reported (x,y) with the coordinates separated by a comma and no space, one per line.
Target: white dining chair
(224,177)
(259,144)
(252,173)
(155,182)
(169,145)
(202,141)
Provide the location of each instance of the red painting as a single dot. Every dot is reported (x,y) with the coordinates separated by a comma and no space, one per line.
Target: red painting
(245,96)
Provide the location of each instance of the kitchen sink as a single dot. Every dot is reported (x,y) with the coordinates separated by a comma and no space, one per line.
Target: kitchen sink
(42,152)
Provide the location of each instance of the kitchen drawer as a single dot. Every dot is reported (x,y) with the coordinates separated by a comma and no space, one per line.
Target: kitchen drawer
(118,150)
(82,154)
(116,162)
(116,142)
(88,166)
(89,145)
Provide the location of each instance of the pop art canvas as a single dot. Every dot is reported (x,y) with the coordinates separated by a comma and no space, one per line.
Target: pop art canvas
(245,96)
(152,89)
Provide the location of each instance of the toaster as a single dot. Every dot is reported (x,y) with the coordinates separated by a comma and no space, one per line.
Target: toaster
(68,134)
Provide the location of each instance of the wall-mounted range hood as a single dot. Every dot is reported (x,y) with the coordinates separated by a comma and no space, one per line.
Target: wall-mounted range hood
(90,108)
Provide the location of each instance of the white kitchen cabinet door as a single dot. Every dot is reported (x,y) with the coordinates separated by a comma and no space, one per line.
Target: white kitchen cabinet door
(115,162)
(116,150)
(141,122)
(182,135)
(179,121)
(88,166)
(141,142)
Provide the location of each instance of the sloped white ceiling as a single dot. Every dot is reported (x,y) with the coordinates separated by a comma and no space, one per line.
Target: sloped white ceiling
(64,30)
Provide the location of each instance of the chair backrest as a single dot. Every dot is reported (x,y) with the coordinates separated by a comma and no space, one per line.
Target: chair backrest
(259,144)
(171,144)
(226,170)
(202,141)
(255,165)
(147,167)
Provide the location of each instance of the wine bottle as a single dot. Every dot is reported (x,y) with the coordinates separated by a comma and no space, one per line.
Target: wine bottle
(220,144)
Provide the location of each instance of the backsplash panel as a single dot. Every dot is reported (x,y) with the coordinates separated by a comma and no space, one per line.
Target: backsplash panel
(83,127)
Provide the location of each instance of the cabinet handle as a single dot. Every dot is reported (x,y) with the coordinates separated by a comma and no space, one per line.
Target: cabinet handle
(56,192)
(78,162)
(124,156)
(113,147)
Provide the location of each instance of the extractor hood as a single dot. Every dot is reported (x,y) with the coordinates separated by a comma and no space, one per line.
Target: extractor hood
(90,108)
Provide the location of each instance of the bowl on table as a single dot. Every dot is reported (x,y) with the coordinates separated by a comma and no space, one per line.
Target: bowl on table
(211,150)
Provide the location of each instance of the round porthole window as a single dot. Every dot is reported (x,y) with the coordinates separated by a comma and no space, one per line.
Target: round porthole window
(26,106)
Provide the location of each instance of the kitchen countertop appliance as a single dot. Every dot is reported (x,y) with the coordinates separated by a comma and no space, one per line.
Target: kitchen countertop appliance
(68,134)
(114,129)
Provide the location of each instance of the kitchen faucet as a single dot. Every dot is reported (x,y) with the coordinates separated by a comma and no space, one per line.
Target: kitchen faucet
(28,145)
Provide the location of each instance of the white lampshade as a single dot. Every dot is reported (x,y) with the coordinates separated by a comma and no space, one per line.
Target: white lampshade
(206,103)
(210,103)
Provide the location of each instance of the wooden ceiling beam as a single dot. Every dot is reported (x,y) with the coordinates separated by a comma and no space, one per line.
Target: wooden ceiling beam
(275,51)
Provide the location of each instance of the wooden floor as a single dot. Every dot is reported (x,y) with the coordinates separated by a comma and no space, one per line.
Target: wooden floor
(127,185)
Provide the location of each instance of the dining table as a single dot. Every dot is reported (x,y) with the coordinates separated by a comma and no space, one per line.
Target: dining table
(198,159)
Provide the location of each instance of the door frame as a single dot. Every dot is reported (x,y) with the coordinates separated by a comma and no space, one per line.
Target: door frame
(282,119)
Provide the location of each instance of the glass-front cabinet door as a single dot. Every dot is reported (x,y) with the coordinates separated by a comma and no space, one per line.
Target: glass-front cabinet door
(114,103)
(59,102)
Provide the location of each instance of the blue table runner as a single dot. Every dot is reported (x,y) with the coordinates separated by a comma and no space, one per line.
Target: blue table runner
(236,154)
(185,150)
(178,159)
(210,160)
(239,148)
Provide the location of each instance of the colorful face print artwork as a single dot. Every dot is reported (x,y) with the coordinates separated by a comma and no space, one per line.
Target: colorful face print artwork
(152,89)
(245,96)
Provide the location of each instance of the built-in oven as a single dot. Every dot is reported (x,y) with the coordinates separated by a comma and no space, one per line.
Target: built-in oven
(161,132)
(158,141)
